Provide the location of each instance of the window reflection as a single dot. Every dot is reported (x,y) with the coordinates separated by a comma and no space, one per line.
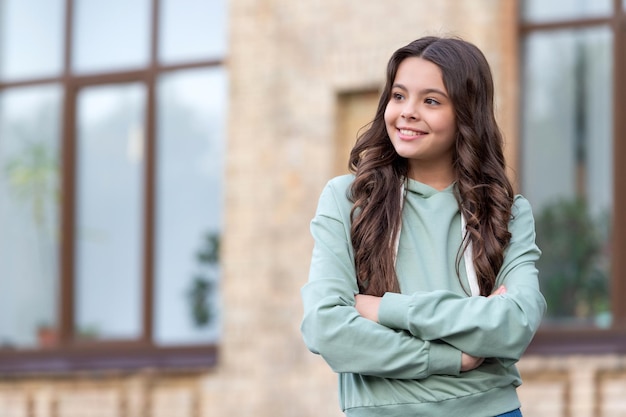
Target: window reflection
(546,10)
(567,167)
(108,270)
(107,294)
(189,188)
(192,29)
(111,34)
(29,190)
(31,38)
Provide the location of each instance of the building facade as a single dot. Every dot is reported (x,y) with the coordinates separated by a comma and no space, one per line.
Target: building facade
(303,78)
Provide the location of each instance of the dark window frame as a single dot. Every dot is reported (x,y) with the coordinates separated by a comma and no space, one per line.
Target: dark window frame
(555,340)
(70,355)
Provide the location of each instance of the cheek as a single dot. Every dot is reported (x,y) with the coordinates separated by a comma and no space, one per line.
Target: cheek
(386,114)
(448,124)
(389,115)
(390,122)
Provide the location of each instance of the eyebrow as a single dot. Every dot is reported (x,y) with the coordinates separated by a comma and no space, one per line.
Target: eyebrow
(422,92)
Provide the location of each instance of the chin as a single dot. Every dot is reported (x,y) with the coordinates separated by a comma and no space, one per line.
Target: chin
(405,153)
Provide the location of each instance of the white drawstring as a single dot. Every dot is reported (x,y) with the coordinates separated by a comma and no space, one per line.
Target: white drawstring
(469,262)
(397,243)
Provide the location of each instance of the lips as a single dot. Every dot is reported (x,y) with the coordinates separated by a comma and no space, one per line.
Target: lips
(408,134)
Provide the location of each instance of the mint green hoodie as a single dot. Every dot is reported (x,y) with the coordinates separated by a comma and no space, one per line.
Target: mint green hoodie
(409,363)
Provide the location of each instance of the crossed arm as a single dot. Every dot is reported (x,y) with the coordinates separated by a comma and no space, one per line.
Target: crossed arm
(368,305)
(413,336)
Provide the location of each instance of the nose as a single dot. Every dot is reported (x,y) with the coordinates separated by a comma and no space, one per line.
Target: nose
(409,112)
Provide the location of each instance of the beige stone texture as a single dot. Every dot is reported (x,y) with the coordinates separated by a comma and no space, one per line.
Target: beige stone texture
(13,402)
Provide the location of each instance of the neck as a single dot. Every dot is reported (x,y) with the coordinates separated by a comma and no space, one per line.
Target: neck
(439,179)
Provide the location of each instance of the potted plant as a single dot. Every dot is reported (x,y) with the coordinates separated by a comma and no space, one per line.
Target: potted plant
(573,268)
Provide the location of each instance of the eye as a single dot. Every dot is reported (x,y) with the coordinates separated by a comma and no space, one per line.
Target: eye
(431,101)
(397,96)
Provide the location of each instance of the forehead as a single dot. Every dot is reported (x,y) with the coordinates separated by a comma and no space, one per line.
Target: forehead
(418,73)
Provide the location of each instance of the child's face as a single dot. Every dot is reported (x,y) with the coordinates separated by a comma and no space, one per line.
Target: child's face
(420,120)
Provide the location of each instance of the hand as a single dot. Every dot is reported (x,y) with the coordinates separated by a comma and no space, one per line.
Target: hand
(367,306)
(499,291)
(469,362)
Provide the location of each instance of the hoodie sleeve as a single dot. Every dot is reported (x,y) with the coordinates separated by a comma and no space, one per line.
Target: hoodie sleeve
(333,328)
(500,326)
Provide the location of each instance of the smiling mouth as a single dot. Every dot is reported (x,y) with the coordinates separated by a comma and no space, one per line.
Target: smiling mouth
(411,133)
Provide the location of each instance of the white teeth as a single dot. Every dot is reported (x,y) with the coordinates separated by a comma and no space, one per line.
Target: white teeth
(408,132)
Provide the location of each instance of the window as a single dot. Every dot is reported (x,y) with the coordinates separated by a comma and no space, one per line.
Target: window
(355,111)
(573,82)
(112,118)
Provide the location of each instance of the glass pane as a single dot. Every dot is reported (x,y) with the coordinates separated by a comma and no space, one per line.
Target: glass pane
(190,185)
(547,10)
(111,34)
(29,191)
(108,269)
(192,30)
(31,38)
(567,167)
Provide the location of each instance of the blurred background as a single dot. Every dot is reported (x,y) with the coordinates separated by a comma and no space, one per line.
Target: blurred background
(160,161)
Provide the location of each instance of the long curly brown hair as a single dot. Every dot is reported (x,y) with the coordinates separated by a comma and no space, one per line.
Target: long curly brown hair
(483,191)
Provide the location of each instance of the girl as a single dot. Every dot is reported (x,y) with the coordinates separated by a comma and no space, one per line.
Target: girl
(423,291)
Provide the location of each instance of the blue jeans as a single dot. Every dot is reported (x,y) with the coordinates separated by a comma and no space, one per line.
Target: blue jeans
(514,413)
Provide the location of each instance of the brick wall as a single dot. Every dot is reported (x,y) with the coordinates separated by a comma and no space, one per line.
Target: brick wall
(574,386)
(142,394)
(569,386)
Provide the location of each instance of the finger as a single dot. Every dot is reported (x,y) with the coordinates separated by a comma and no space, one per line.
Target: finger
(501,290)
